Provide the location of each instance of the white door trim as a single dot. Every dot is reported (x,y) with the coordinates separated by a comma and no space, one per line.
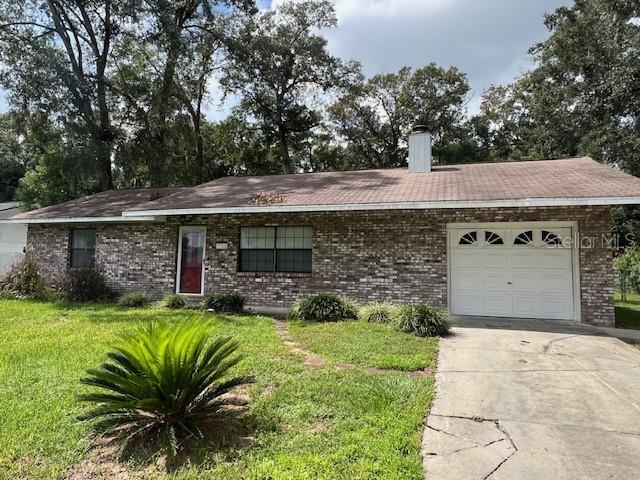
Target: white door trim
(575,252)
(181,230)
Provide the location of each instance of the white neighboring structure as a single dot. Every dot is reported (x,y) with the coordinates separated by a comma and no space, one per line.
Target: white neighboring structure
(13,237)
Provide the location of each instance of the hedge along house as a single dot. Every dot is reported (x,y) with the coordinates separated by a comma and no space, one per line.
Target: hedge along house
(518,239)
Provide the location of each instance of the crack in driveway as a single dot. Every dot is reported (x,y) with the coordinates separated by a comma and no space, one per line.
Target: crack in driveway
(552,342)
(473,425)
(560,422)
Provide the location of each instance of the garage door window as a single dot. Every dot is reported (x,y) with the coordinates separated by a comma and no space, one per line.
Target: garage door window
(492,238)
(469,238)
(550,238)
(524,238)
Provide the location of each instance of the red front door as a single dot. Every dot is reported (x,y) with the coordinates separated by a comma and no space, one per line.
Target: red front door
(191,254)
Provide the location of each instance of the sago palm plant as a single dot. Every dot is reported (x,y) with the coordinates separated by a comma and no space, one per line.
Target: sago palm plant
(162,380)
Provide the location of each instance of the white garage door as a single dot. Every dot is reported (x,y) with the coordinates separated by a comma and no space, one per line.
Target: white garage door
(512,271)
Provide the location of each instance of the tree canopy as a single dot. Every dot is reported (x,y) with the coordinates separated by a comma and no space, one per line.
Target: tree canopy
(112,93)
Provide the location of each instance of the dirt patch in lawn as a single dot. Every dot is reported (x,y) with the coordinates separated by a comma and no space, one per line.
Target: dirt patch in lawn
(106,459)
(103,463)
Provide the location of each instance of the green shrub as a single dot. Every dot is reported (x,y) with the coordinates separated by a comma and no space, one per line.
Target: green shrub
(325,307)
(23,280)
(422,320)
(379,312)
(175,300)
(224,302)
(162,381)
(626,267)
(7,295)
(134,300)
(85,285)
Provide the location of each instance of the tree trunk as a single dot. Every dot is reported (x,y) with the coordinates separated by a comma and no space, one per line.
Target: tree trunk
(157,175)
(287,163)
(199,151)
(104,164)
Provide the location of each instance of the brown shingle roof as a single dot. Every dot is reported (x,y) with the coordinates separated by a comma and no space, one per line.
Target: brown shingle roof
(566,178)
(571,178)
(106,204)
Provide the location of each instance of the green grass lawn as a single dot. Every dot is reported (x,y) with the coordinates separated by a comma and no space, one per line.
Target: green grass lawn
(366,344)
(316,423)
(628,313)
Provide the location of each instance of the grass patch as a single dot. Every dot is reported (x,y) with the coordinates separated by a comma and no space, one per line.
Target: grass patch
(306,423)
(366,344)
(628,313)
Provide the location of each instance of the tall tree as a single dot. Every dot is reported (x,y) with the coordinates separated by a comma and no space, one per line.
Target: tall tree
(282,69)
(583,96)
(375,117)
(171,53)
(55,55)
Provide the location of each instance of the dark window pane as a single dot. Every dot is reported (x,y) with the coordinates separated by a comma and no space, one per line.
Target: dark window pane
(524,238)
(468,238)
(293,261)
(82,258)
(83,243)
(492,238)
(256,260)
(550,238)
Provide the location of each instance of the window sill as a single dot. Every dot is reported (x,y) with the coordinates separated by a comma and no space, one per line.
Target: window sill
(274,274)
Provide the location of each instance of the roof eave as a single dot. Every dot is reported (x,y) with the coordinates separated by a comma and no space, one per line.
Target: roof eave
(120,219)
(522,202)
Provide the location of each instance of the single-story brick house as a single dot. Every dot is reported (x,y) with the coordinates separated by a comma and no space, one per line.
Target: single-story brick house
(515,239)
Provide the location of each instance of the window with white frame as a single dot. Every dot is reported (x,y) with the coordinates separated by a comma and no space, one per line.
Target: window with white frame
(83,247)
(276,249)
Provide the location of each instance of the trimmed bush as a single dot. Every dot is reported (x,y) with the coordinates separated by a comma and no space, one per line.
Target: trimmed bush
(85,285)
(379,312)
(134,300)
(422,320)
(224,302)
(325,307)
(174,300)
(163,382)
(23,280)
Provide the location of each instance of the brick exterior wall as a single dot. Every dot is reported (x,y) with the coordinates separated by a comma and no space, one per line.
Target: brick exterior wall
(370,255)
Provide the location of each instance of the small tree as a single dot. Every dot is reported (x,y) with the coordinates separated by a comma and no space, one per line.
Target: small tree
(627,271)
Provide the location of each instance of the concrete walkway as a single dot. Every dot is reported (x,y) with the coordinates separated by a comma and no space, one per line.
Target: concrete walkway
(533,400)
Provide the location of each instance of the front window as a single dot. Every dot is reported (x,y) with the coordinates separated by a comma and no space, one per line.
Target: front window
(83,247)
(276,249)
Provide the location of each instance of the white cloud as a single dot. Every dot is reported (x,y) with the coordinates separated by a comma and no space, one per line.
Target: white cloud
(488,40)
(347,9)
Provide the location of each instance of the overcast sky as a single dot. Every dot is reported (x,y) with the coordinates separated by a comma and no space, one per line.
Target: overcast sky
(487,39)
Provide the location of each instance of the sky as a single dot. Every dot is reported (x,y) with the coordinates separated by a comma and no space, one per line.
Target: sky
(487,39)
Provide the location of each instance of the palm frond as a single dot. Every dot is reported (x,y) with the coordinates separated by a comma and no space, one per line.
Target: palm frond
(162,378)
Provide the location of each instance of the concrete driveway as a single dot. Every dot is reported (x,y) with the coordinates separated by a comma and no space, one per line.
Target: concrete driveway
(533,400)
